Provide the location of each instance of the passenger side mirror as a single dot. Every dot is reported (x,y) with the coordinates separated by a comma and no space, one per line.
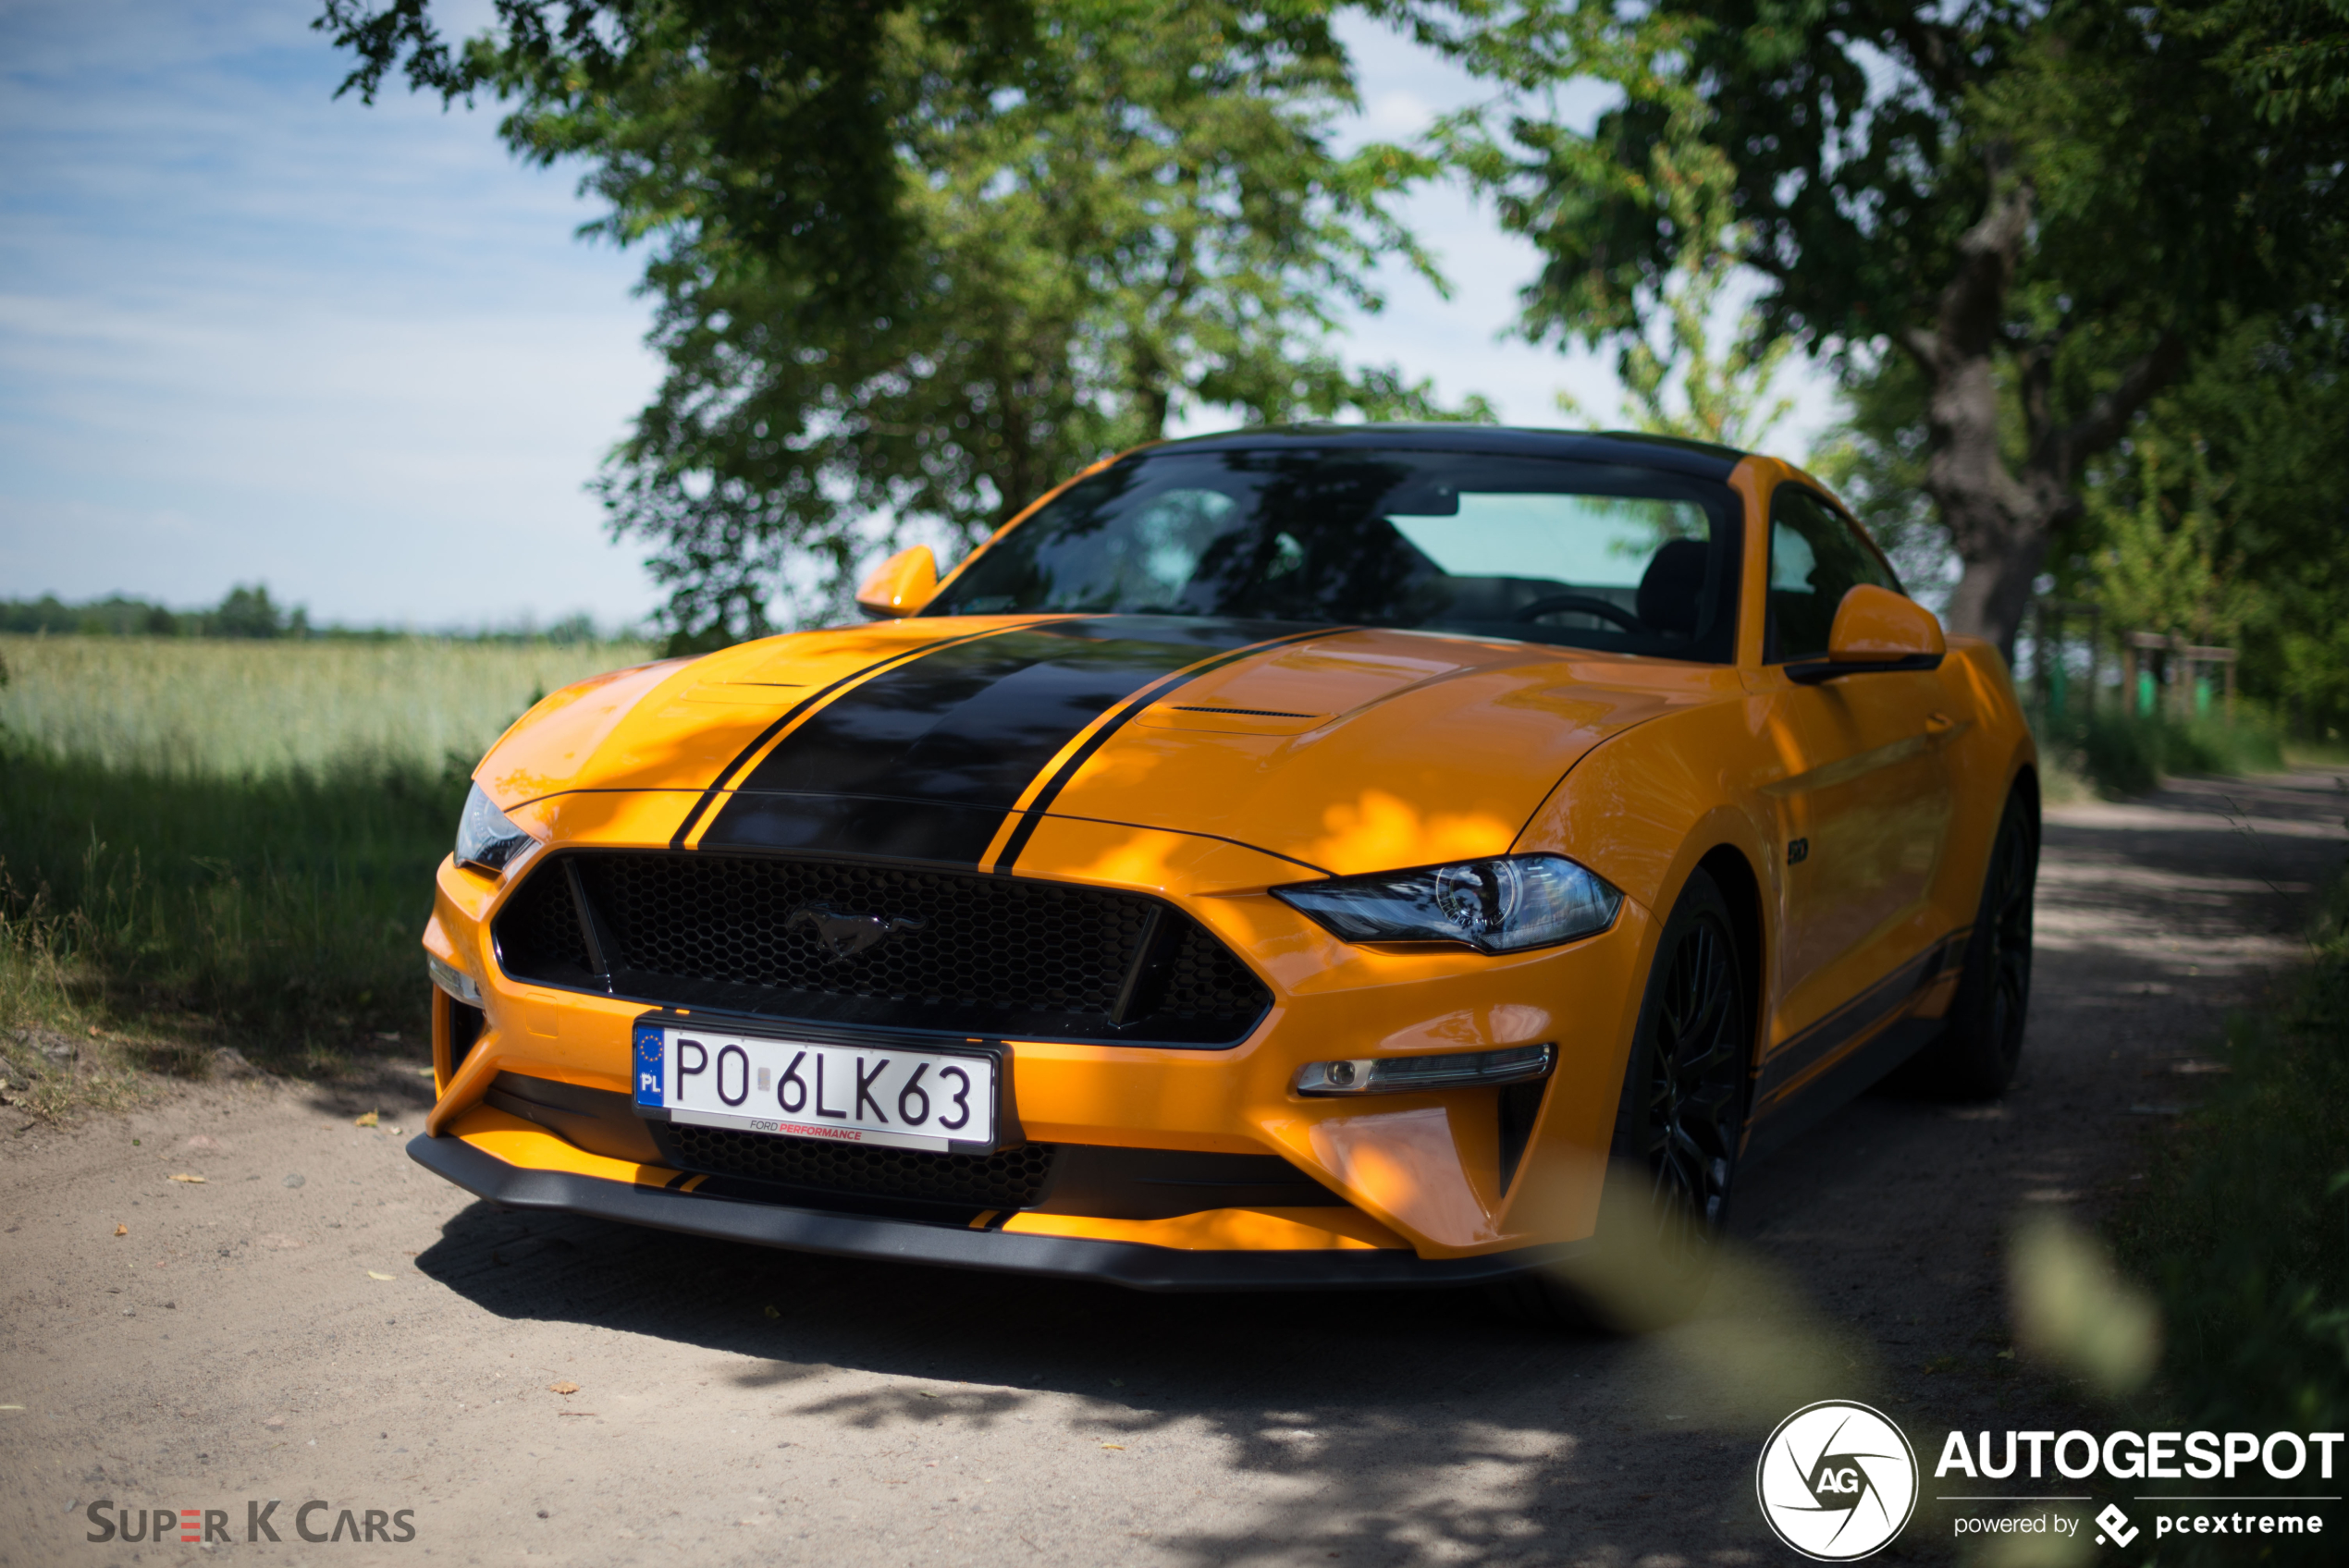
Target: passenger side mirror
(902,584)
(1875,630)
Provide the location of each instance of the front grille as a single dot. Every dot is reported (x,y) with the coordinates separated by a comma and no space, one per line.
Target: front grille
(1007,1179)
(996,956)
(542,921)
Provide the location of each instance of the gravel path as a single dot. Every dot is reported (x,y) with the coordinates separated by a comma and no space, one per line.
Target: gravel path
(368,1337)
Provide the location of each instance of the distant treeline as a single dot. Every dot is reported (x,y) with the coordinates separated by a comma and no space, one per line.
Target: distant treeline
(247,612)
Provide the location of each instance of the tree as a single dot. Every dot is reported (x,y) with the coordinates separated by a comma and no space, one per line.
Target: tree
(1136,210)
(2292,53)
(2223,516)
(2162,563)
(1682,386)
(798,105)
(2069,198)
(250,612)
(1875,459)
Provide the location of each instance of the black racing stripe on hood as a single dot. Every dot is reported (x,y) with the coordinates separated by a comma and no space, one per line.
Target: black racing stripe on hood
(885,826)
(1042,804)
(925,761)
(814,699)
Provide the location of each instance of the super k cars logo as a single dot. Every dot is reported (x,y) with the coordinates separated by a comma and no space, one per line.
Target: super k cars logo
(1837,1481)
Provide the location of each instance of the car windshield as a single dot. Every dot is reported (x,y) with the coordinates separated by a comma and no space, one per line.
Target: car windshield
(1595,555)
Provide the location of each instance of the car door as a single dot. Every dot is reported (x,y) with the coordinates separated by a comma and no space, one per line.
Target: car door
(1862,791)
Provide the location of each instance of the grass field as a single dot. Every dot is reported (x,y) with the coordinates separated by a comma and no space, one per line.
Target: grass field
(177,706)
(233,844)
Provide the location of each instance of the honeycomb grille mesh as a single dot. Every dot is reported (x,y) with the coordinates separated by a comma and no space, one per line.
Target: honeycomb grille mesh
(1207,982)
(1007,1179)
(978,954)
(538,930)
(985,942)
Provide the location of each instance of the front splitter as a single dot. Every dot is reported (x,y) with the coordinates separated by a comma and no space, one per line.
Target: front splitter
(1130,1264)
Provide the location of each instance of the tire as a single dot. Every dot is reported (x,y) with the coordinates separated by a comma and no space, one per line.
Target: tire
(1976,1054)
(1673,1163)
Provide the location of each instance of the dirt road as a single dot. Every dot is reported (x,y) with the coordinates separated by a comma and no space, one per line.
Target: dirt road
(320,1320)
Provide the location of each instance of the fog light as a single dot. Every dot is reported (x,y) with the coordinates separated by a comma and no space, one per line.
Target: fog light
(1408,1074)
(453,980)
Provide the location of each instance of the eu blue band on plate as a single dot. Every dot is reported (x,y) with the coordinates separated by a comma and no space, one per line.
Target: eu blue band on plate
(648,1065)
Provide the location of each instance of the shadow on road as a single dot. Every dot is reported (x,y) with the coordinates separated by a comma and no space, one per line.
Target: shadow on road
(1428,1427)
(1387,1426)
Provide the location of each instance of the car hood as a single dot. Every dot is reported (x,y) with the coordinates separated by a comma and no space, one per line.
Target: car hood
(950,740)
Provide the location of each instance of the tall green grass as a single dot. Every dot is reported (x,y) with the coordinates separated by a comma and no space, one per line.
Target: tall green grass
(235,844)
(178,705)
(277,913)
(2119,753)
(2244,1228)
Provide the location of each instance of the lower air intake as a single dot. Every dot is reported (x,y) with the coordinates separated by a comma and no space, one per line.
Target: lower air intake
(1007,1179)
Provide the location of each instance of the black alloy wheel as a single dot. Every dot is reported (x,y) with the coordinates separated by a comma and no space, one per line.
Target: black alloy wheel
(1980,1047)
(2006,905)
(1695,1044)
(1677,1129)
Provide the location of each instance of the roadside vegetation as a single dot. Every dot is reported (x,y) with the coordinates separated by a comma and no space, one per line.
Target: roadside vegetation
(2243,1229)
(209,844)
(2115,755)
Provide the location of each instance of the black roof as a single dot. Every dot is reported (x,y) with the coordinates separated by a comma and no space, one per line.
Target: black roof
(1699,460)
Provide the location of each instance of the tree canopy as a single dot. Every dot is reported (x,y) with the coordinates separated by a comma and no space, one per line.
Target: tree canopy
(1074,220)
(916,260)
(2222,518)
(2069,199)
(797,105)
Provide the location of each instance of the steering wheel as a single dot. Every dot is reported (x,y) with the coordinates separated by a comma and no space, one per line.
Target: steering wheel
(1589,604)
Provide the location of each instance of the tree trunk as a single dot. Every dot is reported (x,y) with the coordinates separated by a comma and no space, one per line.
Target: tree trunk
(2001,521)
(1999,524)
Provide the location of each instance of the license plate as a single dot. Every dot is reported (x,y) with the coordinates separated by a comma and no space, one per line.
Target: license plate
(801,1089)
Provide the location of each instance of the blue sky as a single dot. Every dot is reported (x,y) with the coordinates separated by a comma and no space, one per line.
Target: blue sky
(249,332)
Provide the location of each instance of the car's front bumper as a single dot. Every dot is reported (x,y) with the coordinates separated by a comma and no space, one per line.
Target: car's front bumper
(1137,1265)
(1447,1173)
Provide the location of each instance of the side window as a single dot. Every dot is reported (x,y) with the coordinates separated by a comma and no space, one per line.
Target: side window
(1815,559)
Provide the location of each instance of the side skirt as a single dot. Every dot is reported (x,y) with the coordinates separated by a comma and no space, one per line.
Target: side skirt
(1819,1071)
(1840,1084)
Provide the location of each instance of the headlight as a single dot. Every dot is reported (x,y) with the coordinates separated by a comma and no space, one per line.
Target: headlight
(487,837)
(1502,905)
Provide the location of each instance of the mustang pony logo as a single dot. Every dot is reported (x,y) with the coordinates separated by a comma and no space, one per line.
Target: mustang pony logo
(846,935)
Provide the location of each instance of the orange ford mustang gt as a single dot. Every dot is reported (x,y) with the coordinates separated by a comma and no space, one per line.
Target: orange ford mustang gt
(1298,857)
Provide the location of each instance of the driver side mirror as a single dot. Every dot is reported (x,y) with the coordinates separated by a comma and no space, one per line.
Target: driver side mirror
(901,585)
(1876,631)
